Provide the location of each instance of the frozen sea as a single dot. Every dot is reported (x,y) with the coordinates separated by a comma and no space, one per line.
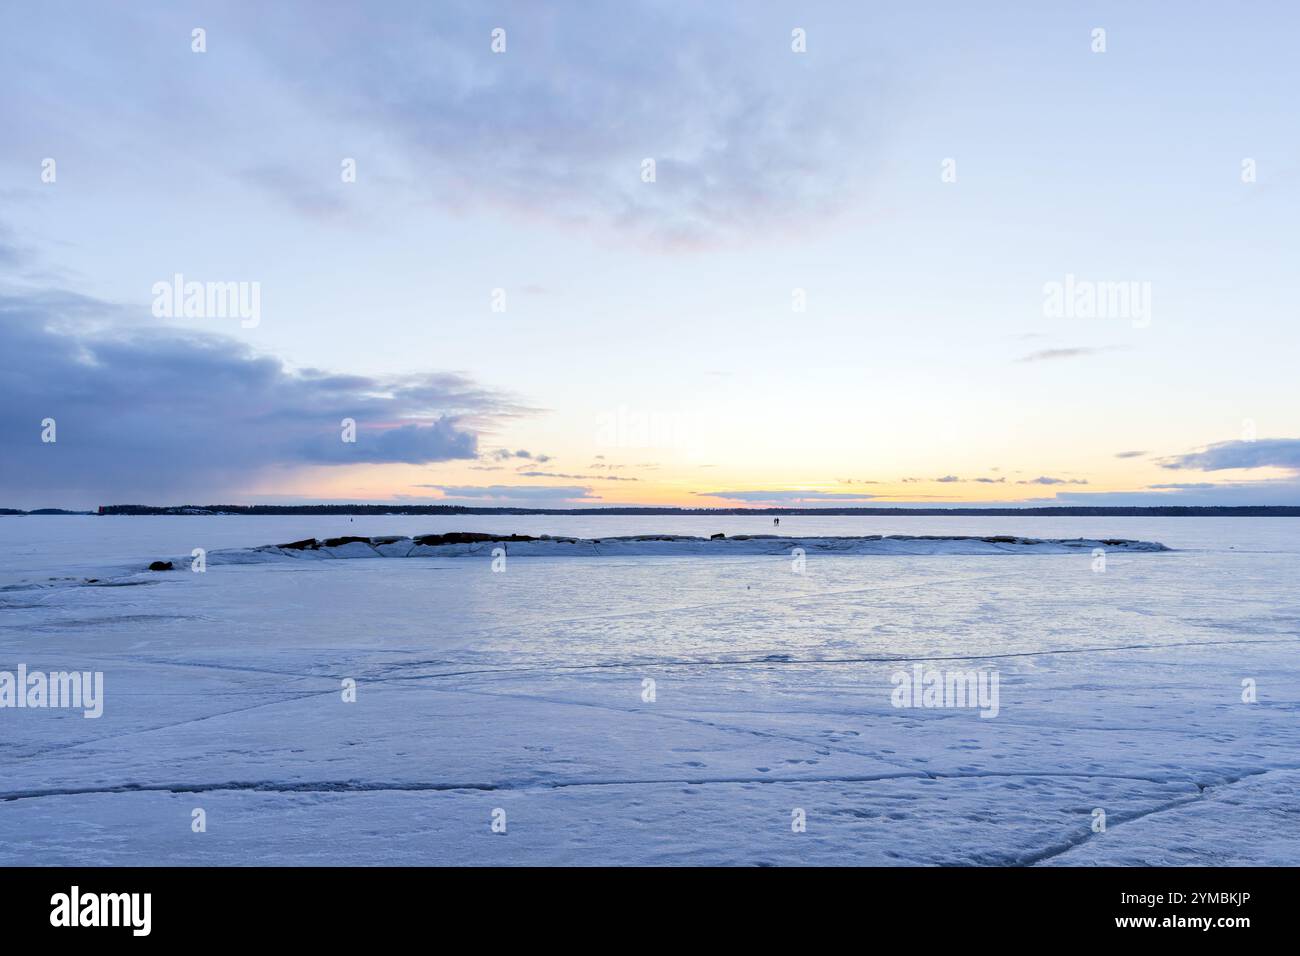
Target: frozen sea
(1162,692)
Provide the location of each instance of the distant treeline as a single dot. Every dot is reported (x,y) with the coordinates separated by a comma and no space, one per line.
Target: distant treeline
(1175,511)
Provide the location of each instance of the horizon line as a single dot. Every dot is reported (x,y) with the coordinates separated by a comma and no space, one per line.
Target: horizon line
(357,508)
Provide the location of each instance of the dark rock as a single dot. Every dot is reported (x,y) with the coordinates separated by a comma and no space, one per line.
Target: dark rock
(468,537)
(347,539)
(715,537)
(161,566)
(307,544)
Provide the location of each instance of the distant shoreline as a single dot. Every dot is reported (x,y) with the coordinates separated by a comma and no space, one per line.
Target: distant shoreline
(1169,511)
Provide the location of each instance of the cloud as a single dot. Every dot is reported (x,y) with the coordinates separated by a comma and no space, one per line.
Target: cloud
(1047,355)
(301,193)
(1129,454)
(1047,480)
(954,480)
(11,253)
(1225,494)
(556,474)
(785,497)
(505,454)
(149,413)
(749,140)
(1263,453)
(440,440)
(745,136)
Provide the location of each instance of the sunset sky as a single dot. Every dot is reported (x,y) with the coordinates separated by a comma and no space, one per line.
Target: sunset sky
(651,348)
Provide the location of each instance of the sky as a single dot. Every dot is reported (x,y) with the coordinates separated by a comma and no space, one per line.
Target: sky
(897,254)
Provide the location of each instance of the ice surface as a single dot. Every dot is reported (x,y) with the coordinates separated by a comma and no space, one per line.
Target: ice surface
(522,690)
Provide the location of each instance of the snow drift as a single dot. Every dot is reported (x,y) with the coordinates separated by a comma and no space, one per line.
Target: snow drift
(463,544)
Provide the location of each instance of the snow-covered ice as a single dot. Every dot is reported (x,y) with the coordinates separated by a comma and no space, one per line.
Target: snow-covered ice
(524,690)
(471,544)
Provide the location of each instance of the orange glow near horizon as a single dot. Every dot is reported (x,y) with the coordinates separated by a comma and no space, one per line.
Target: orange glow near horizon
(686,487)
